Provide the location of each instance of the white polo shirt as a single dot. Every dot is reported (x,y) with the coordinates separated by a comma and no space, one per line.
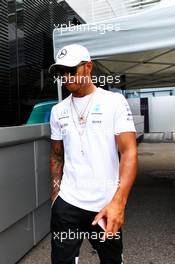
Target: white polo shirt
(89,181)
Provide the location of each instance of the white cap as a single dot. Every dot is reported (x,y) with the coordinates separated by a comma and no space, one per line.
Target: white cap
(71,55)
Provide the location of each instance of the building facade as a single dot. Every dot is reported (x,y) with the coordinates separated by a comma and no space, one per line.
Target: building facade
(26,51)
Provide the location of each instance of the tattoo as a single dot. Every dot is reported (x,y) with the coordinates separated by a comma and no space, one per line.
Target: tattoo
(56,166)
(56,183)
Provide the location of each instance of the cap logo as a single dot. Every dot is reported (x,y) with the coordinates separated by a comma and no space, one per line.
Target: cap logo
(63,52)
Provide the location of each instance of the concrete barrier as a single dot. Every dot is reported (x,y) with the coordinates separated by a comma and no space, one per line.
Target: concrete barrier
(24,189)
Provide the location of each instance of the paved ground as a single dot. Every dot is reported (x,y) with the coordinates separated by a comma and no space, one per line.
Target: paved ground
(149,231)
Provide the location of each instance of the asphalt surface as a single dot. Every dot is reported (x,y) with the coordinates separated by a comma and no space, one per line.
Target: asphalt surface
(149,230)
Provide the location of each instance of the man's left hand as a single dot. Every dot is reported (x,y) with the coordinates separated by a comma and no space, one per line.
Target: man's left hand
(113,213)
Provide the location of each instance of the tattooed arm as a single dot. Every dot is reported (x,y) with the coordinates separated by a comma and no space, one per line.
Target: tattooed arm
(56,167)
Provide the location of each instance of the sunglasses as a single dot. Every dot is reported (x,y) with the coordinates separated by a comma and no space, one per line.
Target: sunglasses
(60,71)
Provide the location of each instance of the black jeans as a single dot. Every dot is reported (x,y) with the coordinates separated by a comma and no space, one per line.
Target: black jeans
(70,225)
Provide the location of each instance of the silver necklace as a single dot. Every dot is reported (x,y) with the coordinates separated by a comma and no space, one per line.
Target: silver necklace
(81,122)
(81,115)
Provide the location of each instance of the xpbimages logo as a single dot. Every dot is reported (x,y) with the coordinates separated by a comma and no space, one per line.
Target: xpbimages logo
(101,28)
(101,79)
(71,235)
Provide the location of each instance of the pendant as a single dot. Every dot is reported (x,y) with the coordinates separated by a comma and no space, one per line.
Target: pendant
(82,120)
(82,152)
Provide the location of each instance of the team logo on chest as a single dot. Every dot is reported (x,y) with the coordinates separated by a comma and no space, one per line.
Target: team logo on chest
(64,113)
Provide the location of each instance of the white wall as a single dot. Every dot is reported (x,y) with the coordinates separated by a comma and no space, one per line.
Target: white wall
(162,113)
(96,11)
(134,104)
(83,10)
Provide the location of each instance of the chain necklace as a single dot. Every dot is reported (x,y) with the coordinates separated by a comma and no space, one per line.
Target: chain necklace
(83,121)
(81,115)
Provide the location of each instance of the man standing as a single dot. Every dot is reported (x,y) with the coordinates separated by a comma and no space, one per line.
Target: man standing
(90,187)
